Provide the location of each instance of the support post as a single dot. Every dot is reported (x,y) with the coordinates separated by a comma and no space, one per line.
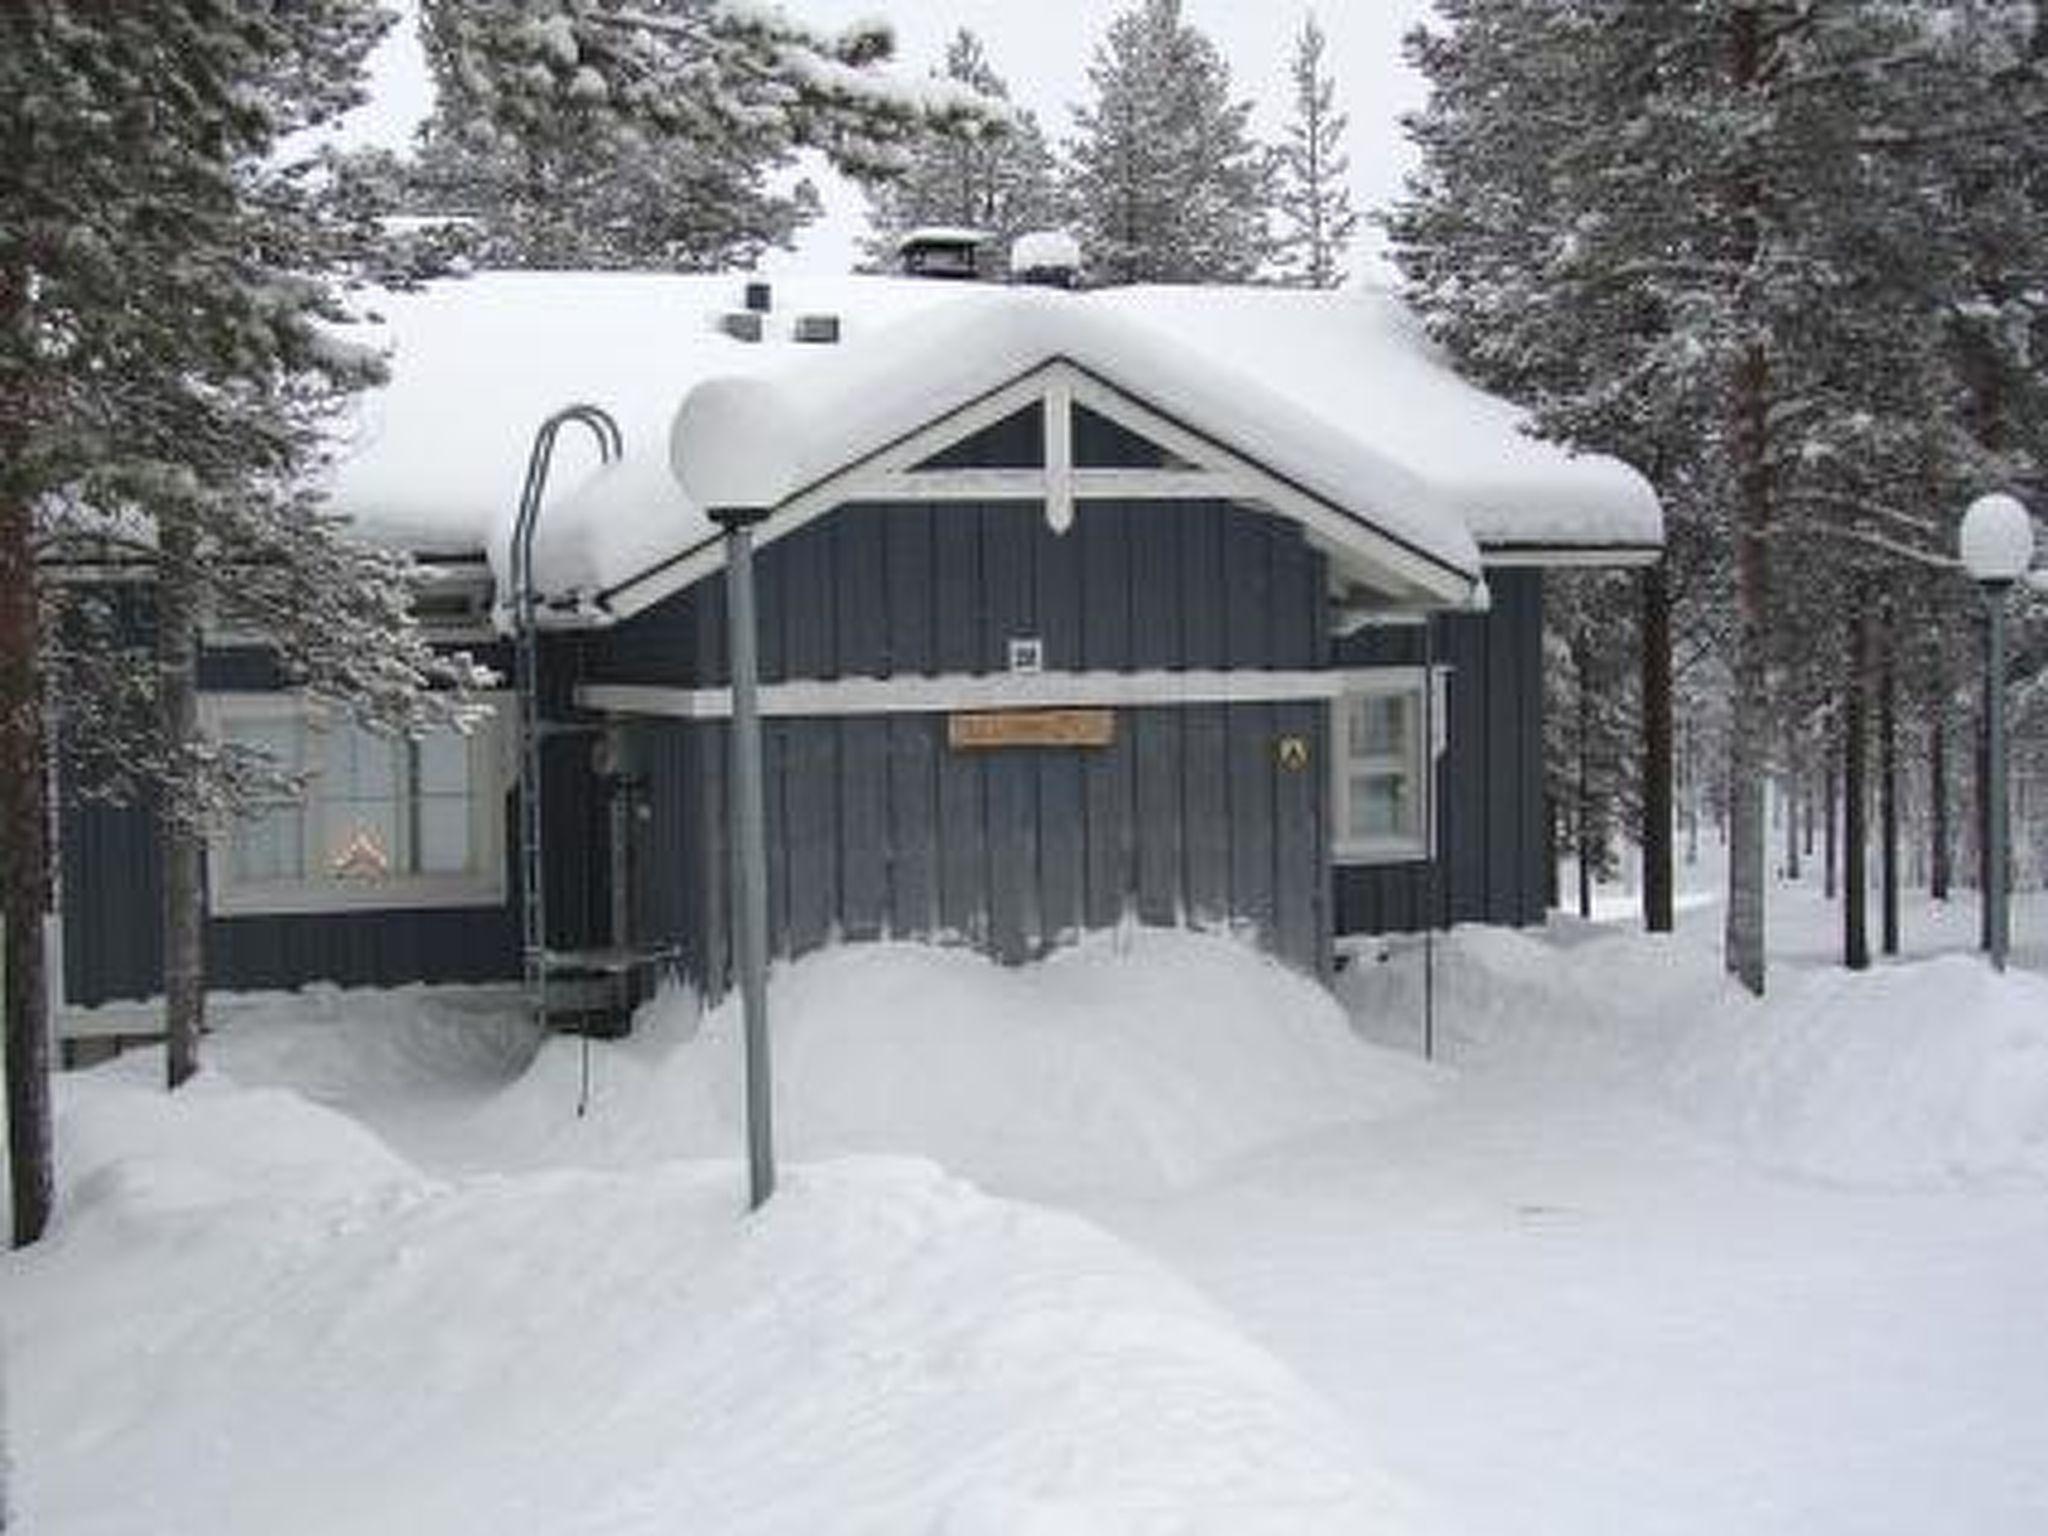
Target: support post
(750,845)
(1995,904)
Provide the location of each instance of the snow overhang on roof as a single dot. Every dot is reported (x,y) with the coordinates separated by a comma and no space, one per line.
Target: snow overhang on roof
(1337,399)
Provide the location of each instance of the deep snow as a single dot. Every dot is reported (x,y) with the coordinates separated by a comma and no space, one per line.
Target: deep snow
(1636,1254)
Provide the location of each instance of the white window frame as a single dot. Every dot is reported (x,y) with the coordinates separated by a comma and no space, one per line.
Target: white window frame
(483,886)
(1378,683)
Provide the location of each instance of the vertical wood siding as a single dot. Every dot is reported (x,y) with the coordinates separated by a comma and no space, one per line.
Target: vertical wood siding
(112,874)
(877,827)
(1490,783)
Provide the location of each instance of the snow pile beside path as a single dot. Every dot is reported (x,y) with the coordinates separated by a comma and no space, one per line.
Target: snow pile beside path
(884,1349)
(144,1154)
(1906,1074)
(1134,1062)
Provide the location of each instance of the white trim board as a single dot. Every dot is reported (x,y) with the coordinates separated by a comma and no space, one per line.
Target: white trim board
(948,692)
(1373,557)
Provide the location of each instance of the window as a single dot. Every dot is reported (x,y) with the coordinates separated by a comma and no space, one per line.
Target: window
(383,823)
(1381,806)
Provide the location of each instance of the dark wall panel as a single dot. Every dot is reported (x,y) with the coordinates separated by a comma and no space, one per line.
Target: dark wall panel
(880,826)
(1489,827)
(913,825)
(863,826)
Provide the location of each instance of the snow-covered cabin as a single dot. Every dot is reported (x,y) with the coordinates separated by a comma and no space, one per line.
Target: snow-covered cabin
(1076,608)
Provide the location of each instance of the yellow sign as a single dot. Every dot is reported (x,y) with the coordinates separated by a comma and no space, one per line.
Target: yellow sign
(1292,752)
(1031,728)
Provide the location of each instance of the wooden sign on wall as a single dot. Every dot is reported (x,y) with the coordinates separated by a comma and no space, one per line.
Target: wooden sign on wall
(994,728)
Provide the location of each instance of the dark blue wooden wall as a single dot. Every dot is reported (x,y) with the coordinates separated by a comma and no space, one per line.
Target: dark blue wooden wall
(112,879)
(878,827)
(1490,824)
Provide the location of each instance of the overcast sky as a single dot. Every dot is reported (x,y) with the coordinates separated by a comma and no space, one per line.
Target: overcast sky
(1042,48)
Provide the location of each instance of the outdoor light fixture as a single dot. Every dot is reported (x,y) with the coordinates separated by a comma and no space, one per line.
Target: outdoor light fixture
(1997,544)
(727,450)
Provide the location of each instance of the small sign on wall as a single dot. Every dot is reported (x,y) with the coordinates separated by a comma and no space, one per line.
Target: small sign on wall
(997,728)
(1292,753)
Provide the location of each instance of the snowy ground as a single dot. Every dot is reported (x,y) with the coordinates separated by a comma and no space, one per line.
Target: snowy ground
(1144,1239)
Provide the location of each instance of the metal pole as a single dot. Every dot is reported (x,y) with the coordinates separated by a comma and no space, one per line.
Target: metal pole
(1994,896)
(750,905)
(1431,888)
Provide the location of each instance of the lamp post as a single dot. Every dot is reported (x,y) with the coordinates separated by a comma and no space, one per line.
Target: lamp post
(1997,546)
(727,449)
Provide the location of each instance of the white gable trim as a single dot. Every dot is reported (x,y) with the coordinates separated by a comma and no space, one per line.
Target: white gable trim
(1372,556)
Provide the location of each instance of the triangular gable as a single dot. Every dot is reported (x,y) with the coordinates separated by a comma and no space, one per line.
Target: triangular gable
(1048,432)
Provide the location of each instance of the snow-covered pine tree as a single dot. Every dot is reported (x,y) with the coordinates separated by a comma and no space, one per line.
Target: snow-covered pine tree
(1000,178)
(171,376)
(1165,182)
(1311,197)
(1721,266)
(597,133)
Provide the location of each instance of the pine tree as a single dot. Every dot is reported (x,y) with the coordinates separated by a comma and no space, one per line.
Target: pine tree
(1166,183)
(1311,197)
(169,376)
(588,133)
(999,177)
(1650,219)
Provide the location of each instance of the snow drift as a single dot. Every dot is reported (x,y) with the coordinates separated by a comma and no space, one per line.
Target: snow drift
(309,1336)
(1134,1062)
(1914,1073)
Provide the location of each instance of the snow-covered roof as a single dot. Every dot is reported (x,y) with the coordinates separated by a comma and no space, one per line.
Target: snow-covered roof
(1337,393)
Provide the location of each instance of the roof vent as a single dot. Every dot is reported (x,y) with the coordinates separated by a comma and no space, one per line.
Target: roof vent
(741,324)
(1046,258)
(817,329)
(942,251)
(760,297)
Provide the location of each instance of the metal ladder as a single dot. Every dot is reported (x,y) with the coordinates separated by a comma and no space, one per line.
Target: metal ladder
(533,913)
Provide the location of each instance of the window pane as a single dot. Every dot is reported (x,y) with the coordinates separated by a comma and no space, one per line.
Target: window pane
(268,846)
(359,839)
(1379,725)
(1381,806)
(443,846)
(271,843)
(359,766)
(444,764)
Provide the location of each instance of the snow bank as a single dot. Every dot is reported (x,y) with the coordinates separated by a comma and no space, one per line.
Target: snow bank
(1909,1074)
(1134,1062)
(1905,1075)
(883,1349)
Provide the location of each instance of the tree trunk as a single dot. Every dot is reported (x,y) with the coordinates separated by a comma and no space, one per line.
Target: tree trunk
(1942,852)
(1788,787)
(1743,939)
(1888,791)
(184,894)
(1658,878)
(1582,790)
(1855,796)
(24,856)
(1831,783)
(1553,864)
(1692,798)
